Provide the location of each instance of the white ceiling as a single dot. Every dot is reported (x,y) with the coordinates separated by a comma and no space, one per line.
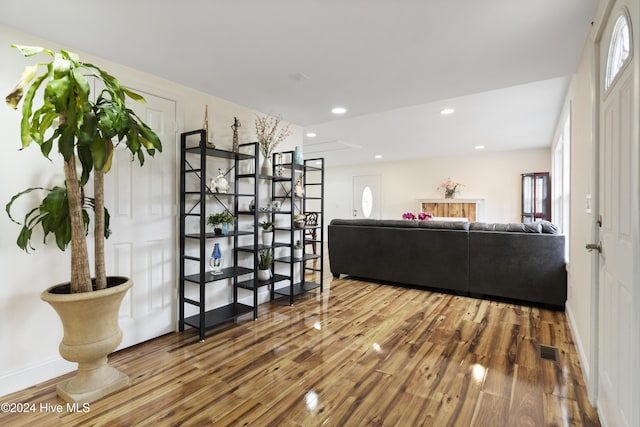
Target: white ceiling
(504,65)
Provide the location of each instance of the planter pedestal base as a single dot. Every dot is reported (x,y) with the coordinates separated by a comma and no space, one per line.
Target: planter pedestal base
(92,383)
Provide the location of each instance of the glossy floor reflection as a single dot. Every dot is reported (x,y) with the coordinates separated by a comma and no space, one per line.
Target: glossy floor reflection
(359,354)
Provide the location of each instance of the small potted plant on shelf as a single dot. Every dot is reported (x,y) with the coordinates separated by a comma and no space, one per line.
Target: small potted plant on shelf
(297,250)
(220,222)
(298,220)
(265,259)
(267,232)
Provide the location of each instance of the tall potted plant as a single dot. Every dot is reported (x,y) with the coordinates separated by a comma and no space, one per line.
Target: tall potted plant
(81,127)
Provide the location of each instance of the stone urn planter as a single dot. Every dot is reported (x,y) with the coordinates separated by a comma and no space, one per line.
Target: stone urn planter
(91,333)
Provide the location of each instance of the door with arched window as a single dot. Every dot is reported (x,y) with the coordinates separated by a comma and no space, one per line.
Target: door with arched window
(618,278)
(366,196)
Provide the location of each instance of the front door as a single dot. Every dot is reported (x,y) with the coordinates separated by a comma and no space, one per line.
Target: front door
(142,202)
(619,331)
(366,196)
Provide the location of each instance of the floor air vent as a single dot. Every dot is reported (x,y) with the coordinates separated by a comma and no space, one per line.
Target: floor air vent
(546,352)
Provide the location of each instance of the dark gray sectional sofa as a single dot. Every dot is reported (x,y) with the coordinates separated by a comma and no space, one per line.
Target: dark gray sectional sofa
(524,262)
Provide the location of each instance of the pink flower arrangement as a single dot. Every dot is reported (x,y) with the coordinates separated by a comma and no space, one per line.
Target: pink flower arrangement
(422,216)
(450,187)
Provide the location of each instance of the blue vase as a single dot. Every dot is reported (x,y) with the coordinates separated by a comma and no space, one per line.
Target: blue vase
(216,259)
(297,155)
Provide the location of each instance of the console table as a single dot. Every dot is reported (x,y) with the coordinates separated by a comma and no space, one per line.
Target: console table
(453,209)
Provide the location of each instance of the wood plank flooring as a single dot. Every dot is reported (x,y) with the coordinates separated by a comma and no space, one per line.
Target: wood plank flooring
(359,354)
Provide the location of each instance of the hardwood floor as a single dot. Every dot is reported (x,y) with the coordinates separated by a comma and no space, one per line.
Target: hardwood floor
(360,354)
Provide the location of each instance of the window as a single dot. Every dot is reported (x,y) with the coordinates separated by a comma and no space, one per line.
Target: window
(619,49)
(561,180)
(367,202)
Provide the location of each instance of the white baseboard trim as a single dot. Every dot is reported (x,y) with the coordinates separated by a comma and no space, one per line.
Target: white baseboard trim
(28,377)
(582,355)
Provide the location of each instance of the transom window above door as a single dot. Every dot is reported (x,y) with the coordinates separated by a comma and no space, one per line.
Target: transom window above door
(619,49)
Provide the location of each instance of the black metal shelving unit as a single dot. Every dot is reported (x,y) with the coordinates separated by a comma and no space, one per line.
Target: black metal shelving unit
(311,174)
(195,154)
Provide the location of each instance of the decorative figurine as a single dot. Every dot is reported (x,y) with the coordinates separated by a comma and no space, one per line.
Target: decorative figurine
(236,124)
(205,125)
(298,190)
(220,184)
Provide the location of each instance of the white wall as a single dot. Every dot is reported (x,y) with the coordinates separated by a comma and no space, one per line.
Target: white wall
(29,329)
(580,101)
(494,177)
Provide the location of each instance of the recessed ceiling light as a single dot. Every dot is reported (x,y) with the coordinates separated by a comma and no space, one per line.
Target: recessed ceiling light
(338,110)
(447,111)
(479,147)
(311,135)
(378,156)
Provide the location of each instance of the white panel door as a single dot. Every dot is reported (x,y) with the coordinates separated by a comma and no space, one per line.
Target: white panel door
(366,196)
(141,201)
(618,397)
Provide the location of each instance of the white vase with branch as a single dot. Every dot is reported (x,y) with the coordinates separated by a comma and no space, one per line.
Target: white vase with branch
(270,132)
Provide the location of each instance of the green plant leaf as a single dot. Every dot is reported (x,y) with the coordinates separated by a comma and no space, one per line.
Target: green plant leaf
(46,147)
(109,160)
(135,96)
(59,91)
(66,142)
(81,83)
(24,239)
(89,128)
(70,56)
(13,99)
(25,129)
(31,50)
(8,206)
(86,160)
(98,153)
(151,137)
(61,67)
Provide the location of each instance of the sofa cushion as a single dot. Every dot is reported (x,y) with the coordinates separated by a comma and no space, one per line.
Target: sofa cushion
(444,225)
(507,227)
(548,227)
(481,226)
(397,223)
(524,227)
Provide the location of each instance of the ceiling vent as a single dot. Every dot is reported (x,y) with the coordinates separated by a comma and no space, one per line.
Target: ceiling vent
(328,146)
